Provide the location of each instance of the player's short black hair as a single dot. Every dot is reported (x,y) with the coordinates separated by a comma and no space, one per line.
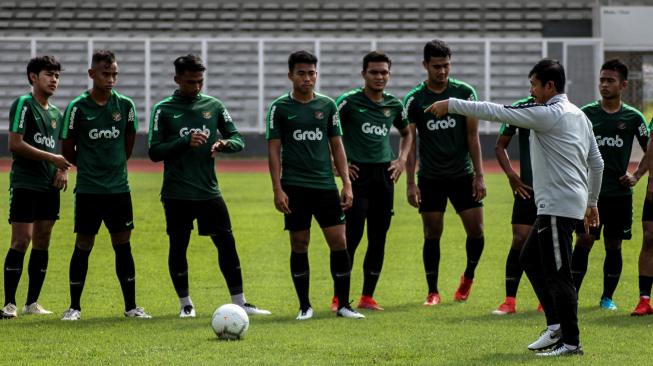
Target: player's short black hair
(40,63)
(436,48)
(301,57)
(618,66)
(105,56)
(376,56)
(190,63)
(550,69)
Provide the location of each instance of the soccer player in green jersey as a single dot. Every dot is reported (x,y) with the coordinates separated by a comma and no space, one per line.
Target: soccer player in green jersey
(367,114)
(38,173)
(615,125)
(303,132)
(524,211)
(99,132)
(184,135)
(450,168)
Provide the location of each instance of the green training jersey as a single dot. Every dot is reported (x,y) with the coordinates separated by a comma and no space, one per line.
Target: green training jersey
(189,172)
(442,143)
(614,134)
(525,169)
(304,130)
(40,129)
(366,125)
(99,134)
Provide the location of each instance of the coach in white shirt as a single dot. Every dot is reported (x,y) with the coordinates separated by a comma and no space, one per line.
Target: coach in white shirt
(567,171)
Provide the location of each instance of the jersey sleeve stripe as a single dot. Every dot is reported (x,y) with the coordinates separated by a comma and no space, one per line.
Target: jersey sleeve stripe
(19,115)
(69,116)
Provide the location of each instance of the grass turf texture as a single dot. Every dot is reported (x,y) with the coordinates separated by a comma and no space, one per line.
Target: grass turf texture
(405,333)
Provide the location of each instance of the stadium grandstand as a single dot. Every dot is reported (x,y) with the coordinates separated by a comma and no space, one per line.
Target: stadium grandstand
(245,45)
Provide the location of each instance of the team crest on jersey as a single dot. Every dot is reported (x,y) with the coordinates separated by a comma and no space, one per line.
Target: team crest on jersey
(116,116)
(387,112)
(53,123)
(319,114)
(621,125)
(206,115)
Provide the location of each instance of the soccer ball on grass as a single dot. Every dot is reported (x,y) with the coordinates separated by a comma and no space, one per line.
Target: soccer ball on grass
(230,322)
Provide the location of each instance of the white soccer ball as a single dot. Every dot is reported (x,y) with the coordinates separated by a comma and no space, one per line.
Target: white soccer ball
(230,321)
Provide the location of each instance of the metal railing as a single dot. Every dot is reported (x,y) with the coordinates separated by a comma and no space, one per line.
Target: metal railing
(248,73)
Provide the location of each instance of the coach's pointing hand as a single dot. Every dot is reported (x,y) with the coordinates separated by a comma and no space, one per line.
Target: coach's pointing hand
(439,108)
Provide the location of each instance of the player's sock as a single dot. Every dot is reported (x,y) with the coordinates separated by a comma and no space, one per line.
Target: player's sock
(126,274)
(77,276)
(431,257)
(579,261)
(513,272)
(341,274)
(185,301)
(228,261)
(611,271)
(12,271)
(177,263)
(645,284)
(474,248)
(300,272)
(238,299)
(36,269)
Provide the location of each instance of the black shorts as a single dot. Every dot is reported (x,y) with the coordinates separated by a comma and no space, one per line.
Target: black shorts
(304,203)
(524,211)
(434,194)
(27,205)
(212,216)
(375,187)
(114,209)
(647,211)
(615,217)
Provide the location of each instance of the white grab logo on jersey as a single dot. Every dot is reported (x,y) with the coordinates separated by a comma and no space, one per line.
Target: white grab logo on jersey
(300,135)
(47,141)
(95,134)
(442,124)
(367,127)
(609,141)
(187,131)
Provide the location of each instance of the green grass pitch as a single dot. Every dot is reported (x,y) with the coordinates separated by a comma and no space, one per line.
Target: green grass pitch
(406,333)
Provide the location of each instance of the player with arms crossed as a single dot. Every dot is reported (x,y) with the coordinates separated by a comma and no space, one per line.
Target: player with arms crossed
(98,137)
(367,114)
(303,132)
(184,135)
(38,173)
(615,125)
(450,168)
(524,211)
(567,170)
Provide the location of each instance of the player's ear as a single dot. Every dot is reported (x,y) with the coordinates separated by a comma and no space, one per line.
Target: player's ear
(32,77)
(177,79)
(290,75)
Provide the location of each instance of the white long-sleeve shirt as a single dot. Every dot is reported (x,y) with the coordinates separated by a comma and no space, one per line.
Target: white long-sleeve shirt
(567,164)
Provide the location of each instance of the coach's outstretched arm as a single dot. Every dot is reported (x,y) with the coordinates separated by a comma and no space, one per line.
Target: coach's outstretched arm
(531,116)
